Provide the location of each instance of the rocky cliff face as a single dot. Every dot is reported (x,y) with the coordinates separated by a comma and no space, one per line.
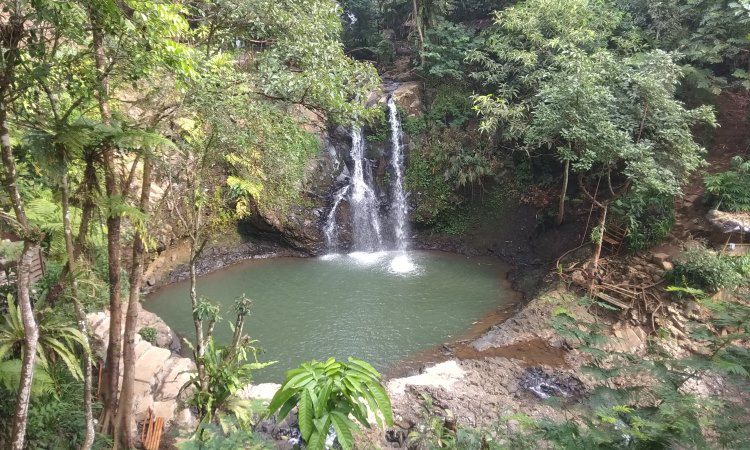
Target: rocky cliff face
(301,225)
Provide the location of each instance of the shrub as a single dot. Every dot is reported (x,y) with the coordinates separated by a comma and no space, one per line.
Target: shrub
(148,334)
(426,180)
(452,106)
(704,269)
(647,216)
(730,190)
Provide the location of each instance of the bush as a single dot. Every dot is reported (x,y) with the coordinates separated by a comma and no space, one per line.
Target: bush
(56,419)
(704,269)
(730,190)
(148,334)
(648,217)
(431,191)
(451,107)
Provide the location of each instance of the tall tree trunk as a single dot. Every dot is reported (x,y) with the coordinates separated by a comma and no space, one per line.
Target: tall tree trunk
(239,324)
(31,338)
(598,248)
(197,321)
(23,281)
(12,33)
(114,348)
(563,194)
(123,425)
(88,439)
(79,243)
(418,26)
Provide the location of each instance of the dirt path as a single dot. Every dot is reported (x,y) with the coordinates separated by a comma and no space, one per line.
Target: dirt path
(732,138)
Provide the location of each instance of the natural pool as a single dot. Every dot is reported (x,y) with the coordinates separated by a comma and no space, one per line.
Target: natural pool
(361,305)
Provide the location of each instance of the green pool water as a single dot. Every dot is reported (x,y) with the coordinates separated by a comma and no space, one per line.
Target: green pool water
(378,307)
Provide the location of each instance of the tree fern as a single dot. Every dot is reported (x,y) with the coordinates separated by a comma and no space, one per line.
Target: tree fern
(56,337)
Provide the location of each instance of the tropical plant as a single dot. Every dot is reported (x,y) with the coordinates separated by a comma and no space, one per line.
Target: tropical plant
(148,334)
(226,435)
(648,218)
(56,419)
(730,190)
(446,48)
(326,394)
(57,339)
(228,369)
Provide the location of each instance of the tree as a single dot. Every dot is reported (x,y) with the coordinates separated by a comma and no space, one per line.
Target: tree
(224,371)
(710,36)
(13,35)
(607,114)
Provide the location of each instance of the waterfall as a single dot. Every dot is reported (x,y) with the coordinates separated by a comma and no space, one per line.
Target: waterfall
(360,194)
(399,207)
(363,203)
(330,226)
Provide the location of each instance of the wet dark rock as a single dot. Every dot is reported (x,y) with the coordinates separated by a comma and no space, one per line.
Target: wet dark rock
(546,384)
(396,436)
(215,258)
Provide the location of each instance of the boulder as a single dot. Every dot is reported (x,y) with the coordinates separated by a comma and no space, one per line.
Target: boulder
(659,258)
(159,373)
(409,97)
(443,375)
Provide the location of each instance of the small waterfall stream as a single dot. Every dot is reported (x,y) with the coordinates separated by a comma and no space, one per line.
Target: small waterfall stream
(366,235)
(398,207)
(330,227)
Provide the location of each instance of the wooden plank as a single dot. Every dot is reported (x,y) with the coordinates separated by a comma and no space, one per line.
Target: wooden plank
(621,290)
(611,300)
(154,439)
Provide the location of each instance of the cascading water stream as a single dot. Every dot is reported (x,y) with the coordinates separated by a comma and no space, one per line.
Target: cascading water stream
(330,226)
(401,263)
(366,234)
(399,206)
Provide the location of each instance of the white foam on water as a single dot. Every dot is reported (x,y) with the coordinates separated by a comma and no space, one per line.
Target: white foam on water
(367,258)
(402,264)
(330,256)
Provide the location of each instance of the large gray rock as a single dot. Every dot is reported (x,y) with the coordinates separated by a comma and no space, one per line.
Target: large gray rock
(159,376)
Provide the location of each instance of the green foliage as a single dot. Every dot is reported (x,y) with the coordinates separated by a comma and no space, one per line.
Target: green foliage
(148,334)
(569,77)
(427,181)
(56,337)
(446,48)
(711,36)
(451,106)
(56,419)
(326,394)
(228,370)
(217,437)
(730,190)
(648,218)
(708,270)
